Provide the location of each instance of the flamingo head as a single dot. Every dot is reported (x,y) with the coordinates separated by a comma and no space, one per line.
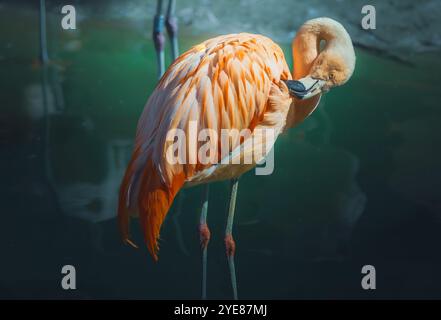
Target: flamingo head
(322,70)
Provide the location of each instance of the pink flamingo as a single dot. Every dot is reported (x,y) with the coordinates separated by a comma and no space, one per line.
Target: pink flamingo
(236,81)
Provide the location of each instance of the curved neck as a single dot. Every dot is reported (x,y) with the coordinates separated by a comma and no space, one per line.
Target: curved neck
(305,49)
(306,44)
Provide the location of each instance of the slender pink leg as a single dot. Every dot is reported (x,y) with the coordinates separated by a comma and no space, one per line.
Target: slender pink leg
(204,235)
(230,245)
(158,38)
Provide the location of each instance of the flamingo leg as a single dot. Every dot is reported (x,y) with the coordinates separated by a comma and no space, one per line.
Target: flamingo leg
(171,22)
(230,245)
(158,38)
(204,234)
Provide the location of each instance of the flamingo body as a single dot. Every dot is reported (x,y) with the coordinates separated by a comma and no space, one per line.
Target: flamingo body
(228,82)
(236,81)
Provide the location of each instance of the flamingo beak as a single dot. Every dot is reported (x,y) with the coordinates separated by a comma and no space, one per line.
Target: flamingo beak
(305,88)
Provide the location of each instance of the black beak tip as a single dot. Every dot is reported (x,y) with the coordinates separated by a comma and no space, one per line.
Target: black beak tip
(295,86)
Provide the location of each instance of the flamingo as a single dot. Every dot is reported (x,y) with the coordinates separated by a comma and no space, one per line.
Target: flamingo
(236,81)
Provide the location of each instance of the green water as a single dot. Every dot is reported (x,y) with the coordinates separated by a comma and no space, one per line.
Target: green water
(357,183)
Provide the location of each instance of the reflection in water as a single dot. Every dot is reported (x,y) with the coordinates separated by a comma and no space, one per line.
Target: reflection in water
(92,201)
(418,178)
(98,201)
(33,104)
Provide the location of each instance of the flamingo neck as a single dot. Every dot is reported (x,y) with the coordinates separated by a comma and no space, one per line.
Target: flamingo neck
(305,49)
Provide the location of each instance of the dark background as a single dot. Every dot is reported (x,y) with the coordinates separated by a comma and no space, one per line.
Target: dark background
(357,183)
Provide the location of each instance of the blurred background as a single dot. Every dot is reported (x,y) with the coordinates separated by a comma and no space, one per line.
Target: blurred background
(357,183)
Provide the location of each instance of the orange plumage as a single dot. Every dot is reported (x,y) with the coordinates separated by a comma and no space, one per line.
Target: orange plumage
(222,83)
(234,81)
